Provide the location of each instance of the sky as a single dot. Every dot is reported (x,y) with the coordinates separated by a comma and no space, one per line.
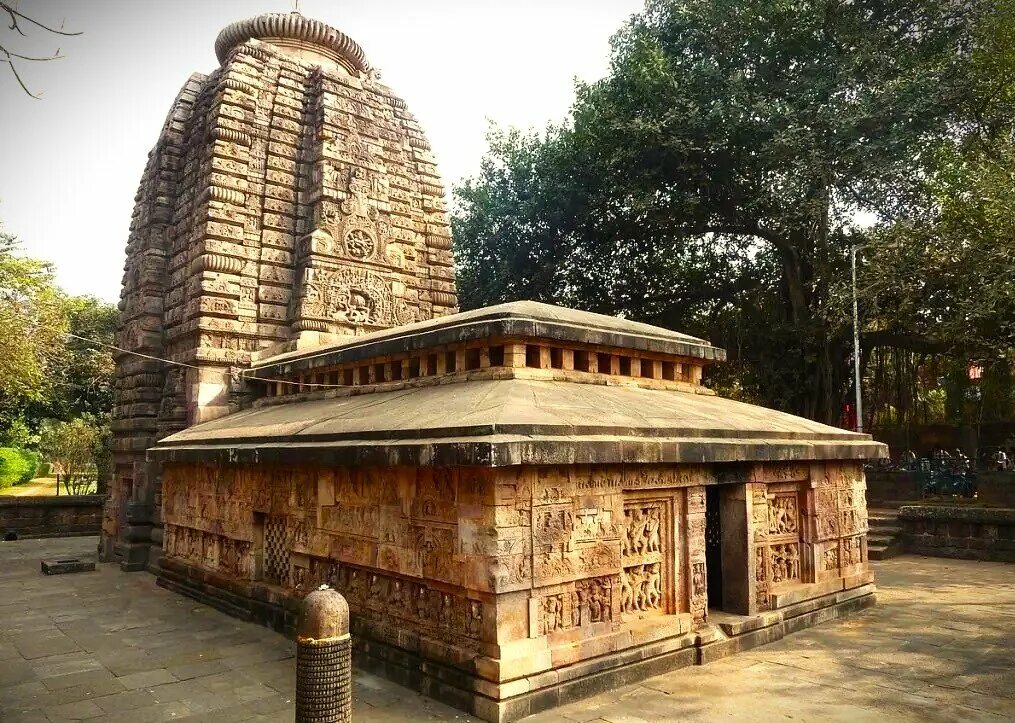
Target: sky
(70,163)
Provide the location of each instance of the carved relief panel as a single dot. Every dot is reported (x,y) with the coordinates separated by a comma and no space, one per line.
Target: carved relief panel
(778,532)
(841,516)
(586,602)
(647,556)
(394,604)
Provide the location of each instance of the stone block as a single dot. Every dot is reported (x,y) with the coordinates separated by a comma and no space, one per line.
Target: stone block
(61,567)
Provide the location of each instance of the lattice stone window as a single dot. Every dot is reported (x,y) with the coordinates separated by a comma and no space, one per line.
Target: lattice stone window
(276,554)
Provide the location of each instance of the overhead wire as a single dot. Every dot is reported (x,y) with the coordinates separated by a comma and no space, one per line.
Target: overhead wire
(173,362)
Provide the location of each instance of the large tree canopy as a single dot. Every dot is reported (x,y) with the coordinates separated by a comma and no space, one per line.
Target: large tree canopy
(44,373)
(716,179)
(948,281)
(31,328)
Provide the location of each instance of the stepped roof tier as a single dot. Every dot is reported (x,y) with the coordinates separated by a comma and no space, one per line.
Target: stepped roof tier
(521,383)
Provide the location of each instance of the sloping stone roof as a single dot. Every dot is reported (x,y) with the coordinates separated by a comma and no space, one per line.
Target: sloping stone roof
(519,318)
(514,421)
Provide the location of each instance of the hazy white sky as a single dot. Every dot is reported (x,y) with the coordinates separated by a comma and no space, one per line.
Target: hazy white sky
(70,163)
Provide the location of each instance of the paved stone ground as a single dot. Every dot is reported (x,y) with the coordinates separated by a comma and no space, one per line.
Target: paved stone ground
(112,646)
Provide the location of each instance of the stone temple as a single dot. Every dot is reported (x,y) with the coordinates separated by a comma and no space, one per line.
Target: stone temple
(523,504)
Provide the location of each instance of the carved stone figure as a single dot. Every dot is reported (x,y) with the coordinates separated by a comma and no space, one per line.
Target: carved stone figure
(785,562)
(698,587)
(474,619)
(783,514)
(654,591)
(553,613)
(652,543)
(626,593)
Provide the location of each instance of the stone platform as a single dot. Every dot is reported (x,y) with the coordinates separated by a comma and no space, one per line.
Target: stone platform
(726,635)
(113,646)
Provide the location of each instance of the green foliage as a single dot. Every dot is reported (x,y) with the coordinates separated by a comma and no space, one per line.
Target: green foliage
(713,180)
(84,371)
(31,459)
(17,466)
(18,434)
(951,279)
(73,447)
(31,328)
(12,464)
(43,372)
(942,285)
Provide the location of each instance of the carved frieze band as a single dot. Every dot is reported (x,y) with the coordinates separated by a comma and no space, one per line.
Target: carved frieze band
(445,615)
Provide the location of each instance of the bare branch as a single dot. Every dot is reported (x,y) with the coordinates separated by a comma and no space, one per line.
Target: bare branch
(9,57)
(24,87)
(19,56)
(14,19)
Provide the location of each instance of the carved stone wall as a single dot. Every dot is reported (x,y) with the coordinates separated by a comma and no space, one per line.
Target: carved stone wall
(283,202)
(841,517)
(485,559)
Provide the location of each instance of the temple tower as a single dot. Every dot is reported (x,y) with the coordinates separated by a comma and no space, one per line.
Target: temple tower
(291,199)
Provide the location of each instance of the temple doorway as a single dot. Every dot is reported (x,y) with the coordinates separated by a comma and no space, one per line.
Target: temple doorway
(713,546)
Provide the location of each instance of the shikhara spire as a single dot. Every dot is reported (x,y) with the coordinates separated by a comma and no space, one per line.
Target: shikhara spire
(291,200)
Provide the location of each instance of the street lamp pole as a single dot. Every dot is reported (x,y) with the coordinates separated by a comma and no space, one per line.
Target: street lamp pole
(856,341)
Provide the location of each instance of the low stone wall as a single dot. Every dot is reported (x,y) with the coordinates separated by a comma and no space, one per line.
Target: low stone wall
(968,533)
(51,516)
(996,489)
(891,486)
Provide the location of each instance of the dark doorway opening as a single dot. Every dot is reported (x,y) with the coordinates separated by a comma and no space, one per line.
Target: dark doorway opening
(713,546)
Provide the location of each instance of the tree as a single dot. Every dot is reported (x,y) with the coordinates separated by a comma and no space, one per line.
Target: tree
(84,370)
(44,371)
(938,291)
(32,323)
(18,22)
(713,181)
(72,447)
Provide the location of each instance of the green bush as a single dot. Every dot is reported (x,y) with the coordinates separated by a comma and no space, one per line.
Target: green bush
(31,465)
(13,466)
(17,466)
(45,469)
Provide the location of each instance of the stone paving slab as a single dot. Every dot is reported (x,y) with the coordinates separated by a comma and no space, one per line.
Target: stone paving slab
(112,646)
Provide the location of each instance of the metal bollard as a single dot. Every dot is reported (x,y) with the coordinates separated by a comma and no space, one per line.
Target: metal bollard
(323,659)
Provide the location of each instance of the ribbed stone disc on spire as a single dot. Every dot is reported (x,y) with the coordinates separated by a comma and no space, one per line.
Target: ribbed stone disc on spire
(291,26)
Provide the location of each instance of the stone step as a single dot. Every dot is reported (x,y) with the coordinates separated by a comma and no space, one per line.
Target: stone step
(886,516)
(881,529)
(880,540)
(884,552)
